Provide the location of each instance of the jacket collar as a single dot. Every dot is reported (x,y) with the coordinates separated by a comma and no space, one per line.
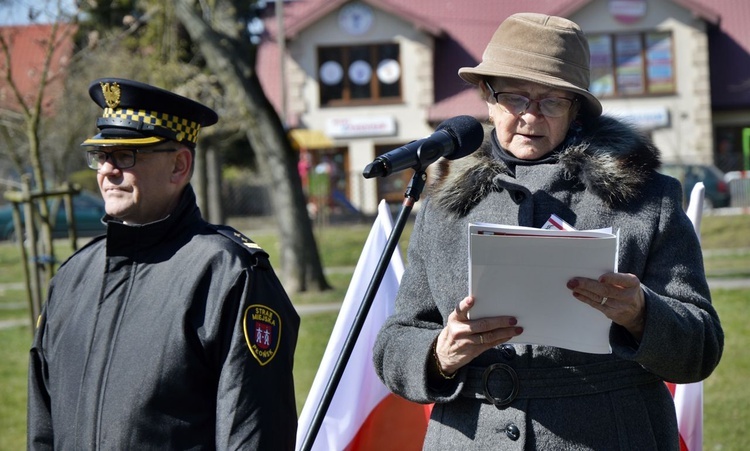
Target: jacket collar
(609,157)
(143,236)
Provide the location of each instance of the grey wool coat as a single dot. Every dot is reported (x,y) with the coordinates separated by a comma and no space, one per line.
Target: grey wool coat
(566,400)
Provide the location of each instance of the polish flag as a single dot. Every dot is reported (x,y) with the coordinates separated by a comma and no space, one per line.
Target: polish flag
(364,414)
(688,398)
(688,402)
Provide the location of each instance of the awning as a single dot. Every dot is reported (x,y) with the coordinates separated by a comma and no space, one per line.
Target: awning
(303,138)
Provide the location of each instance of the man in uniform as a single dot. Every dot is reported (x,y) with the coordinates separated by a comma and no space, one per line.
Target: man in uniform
(168,332)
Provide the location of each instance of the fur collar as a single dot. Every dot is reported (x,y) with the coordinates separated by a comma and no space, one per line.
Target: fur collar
(611,159)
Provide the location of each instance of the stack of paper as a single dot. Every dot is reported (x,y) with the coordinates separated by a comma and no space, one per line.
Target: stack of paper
(523,272)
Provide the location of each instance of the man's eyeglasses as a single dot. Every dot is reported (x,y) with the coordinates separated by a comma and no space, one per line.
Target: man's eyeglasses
(517,104)
(120,158)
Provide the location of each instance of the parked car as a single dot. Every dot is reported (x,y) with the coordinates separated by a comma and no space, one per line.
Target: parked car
(717,191)
(88,210)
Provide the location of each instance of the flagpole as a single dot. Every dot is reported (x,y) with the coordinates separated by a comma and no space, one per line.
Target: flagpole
(413,191)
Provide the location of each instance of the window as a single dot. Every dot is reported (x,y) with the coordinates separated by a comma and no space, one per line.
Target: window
(632,64)
(359,75)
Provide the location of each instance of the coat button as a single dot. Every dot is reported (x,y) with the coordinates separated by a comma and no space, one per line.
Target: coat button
(512,432)
(508,351)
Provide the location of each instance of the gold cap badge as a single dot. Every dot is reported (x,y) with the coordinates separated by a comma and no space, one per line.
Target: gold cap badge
(111,94)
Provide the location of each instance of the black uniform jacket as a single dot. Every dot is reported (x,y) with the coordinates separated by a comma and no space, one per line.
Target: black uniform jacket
(171,335)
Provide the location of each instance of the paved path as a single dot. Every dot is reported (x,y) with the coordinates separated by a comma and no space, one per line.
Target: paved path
(8,323)
(714,283)
(307,309)
(318,308)
(729,283)
(12,286)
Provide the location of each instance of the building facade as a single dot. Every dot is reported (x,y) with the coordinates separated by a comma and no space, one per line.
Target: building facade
(355,79)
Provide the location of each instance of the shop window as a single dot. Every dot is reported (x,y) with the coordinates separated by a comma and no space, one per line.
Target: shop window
(632,64)
(359,75)
(323,173)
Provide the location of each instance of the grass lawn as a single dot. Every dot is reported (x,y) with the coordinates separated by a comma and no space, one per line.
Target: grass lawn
(13,364)
(726,240)
(726,393)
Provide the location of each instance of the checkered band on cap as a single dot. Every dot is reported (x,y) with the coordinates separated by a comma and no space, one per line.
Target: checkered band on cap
(180,126)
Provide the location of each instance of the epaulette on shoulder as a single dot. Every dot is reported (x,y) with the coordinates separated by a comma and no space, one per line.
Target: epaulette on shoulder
(261,256)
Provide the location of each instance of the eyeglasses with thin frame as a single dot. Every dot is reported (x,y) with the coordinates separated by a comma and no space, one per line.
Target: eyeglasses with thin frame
(120,158)
(516,104)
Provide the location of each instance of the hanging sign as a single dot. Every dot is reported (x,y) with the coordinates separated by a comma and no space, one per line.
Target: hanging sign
(627,11)
(360,126)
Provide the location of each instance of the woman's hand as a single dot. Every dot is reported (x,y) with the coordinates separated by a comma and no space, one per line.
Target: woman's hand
(619,296)
(462,339)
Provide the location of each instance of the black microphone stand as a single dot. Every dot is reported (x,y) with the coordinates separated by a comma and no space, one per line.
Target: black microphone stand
(413,191)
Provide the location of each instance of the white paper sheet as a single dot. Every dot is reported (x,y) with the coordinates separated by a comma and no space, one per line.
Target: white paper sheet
(523,272)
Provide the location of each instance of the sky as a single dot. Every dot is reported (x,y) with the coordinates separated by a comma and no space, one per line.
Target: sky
(16,12)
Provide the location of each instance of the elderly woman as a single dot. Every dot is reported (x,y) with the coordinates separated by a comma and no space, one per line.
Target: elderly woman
(550,151)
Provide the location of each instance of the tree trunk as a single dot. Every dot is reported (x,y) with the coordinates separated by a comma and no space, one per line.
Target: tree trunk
(232,60)
(45,224)
(199,180)
(215,208)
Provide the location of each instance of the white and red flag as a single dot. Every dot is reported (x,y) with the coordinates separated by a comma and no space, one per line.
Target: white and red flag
(363,413)
(688,403)
(688,398)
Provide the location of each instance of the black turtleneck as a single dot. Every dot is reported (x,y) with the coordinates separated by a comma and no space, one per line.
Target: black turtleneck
(512,161)
(550,158)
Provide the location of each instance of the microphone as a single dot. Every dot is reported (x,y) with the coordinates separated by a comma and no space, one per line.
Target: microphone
(454,138)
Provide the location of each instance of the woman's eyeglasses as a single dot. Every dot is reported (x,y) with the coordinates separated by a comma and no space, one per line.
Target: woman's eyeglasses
(517,104)
(120,158)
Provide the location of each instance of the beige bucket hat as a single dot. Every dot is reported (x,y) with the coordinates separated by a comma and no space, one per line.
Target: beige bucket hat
(549,50)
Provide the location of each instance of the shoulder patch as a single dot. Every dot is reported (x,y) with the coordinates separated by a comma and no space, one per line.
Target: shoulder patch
(262,326)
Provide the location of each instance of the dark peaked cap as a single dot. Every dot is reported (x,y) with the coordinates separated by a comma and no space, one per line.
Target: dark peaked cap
(137,114)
